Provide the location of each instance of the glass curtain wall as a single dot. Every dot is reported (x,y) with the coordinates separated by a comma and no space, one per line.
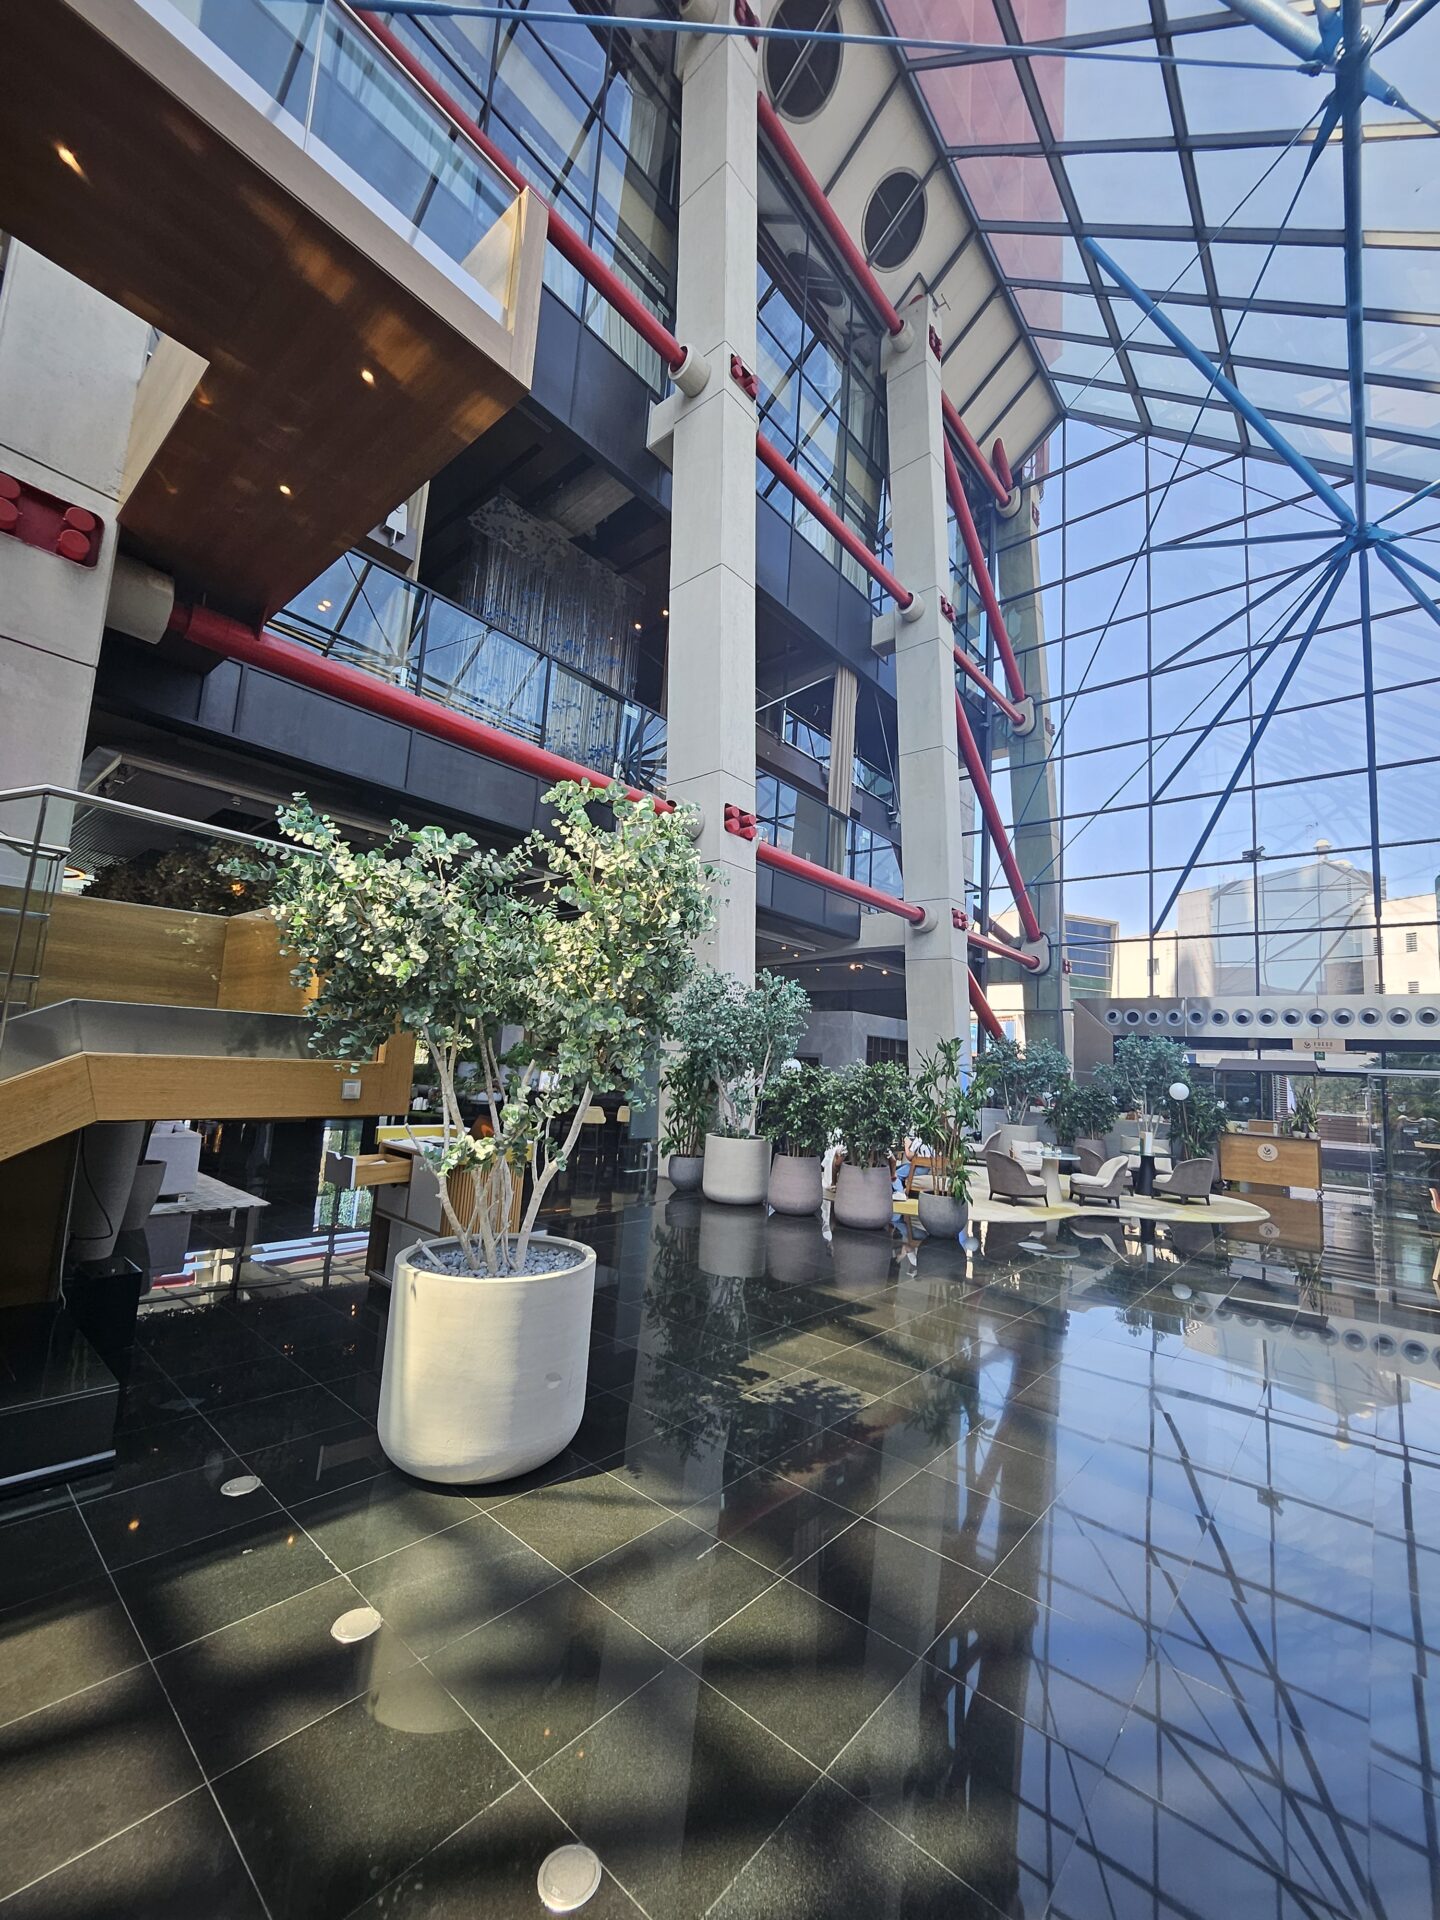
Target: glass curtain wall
(1163,574)
(592,118)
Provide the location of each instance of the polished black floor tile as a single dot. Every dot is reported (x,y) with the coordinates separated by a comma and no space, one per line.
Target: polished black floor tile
(772,1519)
(58,1644)
(490,1868)
(833,1856)
(170,1513)
(438,1588)
(353,1800)
(572,1522)
(185,1342)
(337,1456)
(194,1590)
(178,1864)
(368,1519)
(676,1583)
(249,1685)
(280,1418)
(150,1453)
(805,1670)
(78,1772)
(211,1389)
(947,1515)
(43,1552)
(538,1676)
(886,1582)
(676,1790)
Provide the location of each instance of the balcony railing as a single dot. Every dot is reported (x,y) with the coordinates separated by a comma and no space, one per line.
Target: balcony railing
(362,613)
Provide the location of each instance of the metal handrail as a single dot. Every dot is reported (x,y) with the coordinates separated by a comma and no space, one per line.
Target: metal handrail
(131,812)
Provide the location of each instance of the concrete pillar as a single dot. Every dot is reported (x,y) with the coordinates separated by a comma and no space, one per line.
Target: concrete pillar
(70,363)
(711,669)
(1034,784)
(934,812)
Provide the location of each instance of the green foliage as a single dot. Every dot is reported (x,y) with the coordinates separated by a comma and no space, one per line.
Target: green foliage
(195,879)
(1139,1077)
(1018,1078)
(689,1105)
(1196,1123)
(1305,1114)
(580,938)
(741,1034)
(797,1110)
(873,1110)
(942,1112)
(1081,1110)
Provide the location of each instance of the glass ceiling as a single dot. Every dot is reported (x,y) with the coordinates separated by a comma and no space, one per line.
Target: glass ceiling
(1155,161)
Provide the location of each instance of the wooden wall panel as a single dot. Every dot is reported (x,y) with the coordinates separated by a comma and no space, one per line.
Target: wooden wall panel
(1273,1162)
(254,974)
(111,950)
(43,1104)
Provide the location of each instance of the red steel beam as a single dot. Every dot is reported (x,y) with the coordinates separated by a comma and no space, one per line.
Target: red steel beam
(1002,947)
(984,1012)
(986,684)
(562,235)
(831,521)
(974,766)
(972,451)
(232,640)
(1000,460)
(772,856)
(786,150)
(980,568)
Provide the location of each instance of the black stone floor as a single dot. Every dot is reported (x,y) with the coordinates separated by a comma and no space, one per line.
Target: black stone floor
(1090,1577)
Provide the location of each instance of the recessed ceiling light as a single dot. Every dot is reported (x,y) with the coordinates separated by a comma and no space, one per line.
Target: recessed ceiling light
(367,376)
(67,158)
(284,489)
(325,605)
(664,613)
(639,625)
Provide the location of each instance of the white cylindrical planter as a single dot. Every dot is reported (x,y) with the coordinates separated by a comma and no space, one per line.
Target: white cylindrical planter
(795,1183)
(942,1215)
(864,1197)
(485,1379)
(683,1171)
(737,1172)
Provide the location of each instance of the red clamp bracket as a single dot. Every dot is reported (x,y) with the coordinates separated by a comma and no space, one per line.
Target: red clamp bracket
(936,345)
(745,825)
(746,16)
(743,377)
(958,920)
(947,610)
(43,520)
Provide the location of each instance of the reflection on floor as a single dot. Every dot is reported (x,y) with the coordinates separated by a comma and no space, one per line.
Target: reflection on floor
(1092,1571)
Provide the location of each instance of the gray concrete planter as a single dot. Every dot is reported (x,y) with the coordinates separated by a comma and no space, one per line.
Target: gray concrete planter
(863,1197)
(860,1262)
(797,1253)
(795,1183)
(942,1215)
(737,1172)
(485,1378)
(732,1242)
(684,1170)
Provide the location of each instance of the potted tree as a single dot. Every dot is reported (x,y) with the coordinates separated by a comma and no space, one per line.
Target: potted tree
(795,1115)
(689,1114)
(1140,1077)
(1081,1110)
(1016,1079)
(943,1111)
(741,1034)
(872,1111)
(579,938)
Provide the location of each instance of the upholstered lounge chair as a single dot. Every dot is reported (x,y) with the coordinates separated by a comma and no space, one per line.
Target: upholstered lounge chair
(1091,1154)
(1108,1182)
(1009,1180)
(1191,1180)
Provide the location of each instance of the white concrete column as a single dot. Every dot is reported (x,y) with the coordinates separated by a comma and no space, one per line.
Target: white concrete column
(70,363)
(711,669)
(933,812)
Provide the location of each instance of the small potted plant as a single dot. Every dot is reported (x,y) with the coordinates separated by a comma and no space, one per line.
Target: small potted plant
(872,1111)
(795,1115)
(943,1112)
(579,937)
(1304,1122)
(741,1034)
(689,1115)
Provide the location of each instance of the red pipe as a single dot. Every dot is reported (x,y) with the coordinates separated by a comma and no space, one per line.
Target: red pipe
(979,567)
(562,235)
(970,754)
(984,1012)
(983,681)
(773,128)
(831,521)
(772,856)
(218,633)
(972,451)
(1001,463)
(1002,947)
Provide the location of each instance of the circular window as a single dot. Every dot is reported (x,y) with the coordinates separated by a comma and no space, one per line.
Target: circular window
(894,219)
(801,74)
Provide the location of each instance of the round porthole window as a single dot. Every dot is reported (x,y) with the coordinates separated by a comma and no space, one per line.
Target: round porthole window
(894,219)
(801,74)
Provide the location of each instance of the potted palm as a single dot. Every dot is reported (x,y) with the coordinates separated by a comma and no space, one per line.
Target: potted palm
(689,1114)
(872,1111)
(741,1034)
(579,938)
(795,1115)
(943,1112)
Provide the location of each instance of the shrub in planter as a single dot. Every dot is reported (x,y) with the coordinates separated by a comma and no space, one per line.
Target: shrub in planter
(795,1114)
(1140,1075)
(742,1034)
(580,938)
(1018,1078)
(689,1115)
(873,1108)
(1080,1110)
(943,1112)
